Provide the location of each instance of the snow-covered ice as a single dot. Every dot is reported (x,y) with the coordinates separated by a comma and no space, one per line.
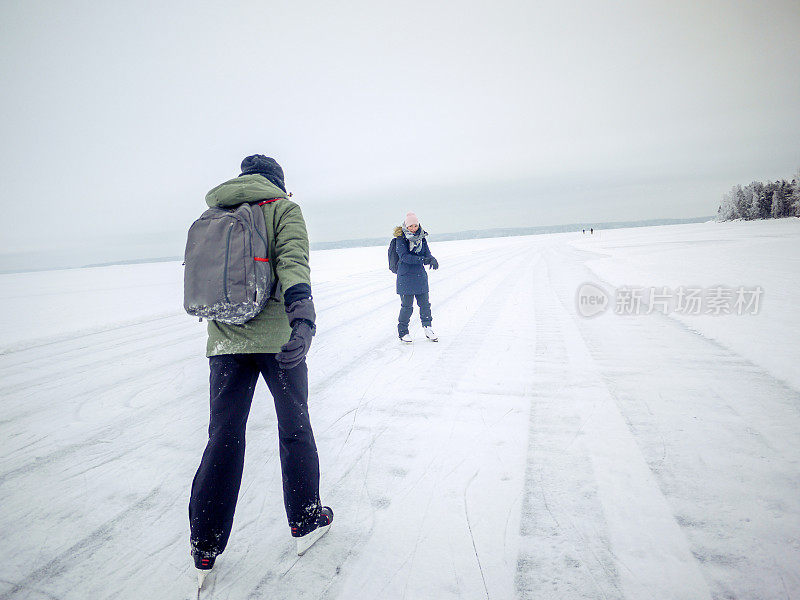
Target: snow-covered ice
(531,453)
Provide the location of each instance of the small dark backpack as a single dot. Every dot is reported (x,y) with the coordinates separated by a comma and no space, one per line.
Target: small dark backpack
(394,258)
(228,277)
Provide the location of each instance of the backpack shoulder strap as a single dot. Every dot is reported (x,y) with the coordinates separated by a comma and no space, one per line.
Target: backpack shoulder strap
(262,204)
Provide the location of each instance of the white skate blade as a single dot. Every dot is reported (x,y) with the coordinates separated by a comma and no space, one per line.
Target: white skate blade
(201,577)
(308,540)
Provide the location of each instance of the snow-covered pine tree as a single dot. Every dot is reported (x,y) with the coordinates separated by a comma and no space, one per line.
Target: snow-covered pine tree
(727,209)
(765,200)
(794,207)
(740,202)
(753,192)
(780,203)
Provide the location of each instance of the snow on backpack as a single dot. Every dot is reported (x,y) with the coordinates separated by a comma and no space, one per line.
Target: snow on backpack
(227,276)
(394,258)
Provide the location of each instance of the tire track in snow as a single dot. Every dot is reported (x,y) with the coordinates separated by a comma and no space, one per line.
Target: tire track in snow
(89,544)
(17,349)
(460,351)
(546,567)
(638,525)
(44,380)
(724,422)
(96,432)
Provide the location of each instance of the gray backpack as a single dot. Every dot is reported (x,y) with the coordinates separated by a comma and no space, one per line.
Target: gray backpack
(227,275)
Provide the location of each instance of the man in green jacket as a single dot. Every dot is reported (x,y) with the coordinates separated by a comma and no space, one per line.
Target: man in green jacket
(273,344)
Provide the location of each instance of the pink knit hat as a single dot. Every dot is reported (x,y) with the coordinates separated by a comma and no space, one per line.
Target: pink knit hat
(411,219)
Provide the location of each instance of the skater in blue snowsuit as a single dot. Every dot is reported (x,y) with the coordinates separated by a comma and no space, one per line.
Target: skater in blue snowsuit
(412,280)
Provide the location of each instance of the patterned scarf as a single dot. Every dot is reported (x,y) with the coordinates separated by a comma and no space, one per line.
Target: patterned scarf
(415,239)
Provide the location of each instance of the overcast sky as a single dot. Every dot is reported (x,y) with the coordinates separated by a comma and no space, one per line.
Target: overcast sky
(117,117)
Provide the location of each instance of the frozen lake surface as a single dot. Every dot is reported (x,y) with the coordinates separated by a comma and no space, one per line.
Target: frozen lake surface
(531,453)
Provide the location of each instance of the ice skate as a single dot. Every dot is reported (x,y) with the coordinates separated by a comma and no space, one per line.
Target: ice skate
(406,338)
(322,525)
(203,563)
(430,334)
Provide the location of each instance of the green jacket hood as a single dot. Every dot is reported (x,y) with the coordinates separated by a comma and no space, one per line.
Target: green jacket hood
(247,188)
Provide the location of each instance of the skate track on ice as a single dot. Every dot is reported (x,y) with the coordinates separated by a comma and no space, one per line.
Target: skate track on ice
(531,453)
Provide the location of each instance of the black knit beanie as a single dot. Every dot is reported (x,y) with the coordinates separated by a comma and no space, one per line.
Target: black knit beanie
(266,166)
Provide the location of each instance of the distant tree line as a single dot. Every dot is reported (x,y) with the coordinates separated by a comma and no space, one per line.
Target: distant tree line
(757,200)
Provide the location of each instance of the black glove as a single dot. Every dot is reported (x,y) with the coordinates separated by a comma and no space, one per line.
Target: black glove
(301,317)
(434,264)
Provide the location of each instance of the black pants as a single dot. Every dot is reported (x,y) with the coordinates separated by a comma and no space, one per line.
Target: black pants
(407,309)
(215,488)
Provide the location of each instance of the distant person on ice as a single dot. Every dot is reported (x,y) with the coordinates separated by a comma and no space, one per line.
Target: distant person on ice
(412,280)
(273,344)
